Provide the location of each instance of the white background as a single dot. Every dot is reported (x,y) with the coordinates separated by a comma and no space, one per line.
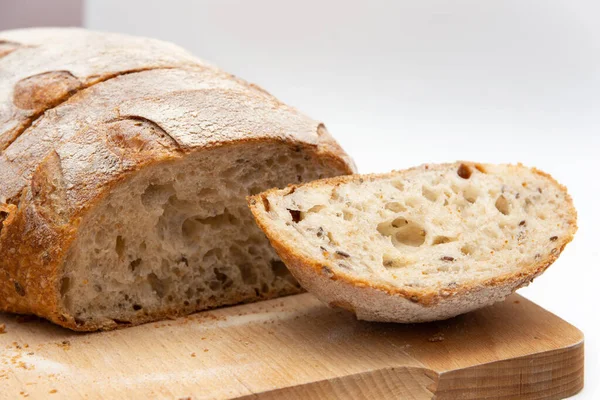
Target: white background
(401,83)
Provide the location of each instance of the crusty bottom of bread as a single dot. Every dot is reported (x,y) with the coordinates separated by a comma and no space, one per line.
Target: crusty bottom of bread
(177,237)
(418,245)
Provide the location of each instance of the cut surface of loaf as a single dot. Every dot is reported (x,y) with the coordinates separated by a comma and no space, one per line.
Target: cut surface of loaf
(422,244)
(124,167)
(178,236)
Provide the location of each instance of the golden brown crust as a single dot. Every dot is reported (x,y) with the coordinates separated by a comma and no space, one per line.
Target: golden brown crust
(44,90)
(42,67)
(308,270)
(98,135)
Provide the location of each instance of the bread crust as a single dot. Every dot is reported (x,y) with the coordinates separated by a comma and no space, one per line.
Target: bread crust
(41,68)
(381,302)
(115,105)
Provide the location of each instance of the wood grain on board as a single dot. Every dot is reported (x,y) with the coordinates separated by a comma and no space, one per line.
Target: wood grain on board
(297,348)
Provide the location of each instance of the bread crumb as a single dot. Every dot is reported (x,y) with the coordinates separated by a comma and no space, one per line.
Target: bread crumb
(193,354)
(2,328)
(53,391)
(205,350)
(65,344)
(438,337)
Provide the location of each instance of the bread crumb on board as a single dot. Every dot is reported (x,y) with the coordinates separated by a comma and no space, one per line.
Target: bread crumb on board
(65,344)
(438,337)
(2,328)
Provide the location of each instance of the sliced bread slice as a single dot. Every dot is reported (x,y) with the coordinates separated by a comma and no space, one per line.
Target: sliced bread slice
(422,244)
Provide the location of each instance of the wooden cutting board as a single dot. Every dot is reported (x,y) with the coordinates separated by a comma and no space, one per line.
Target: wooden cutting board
(297,348)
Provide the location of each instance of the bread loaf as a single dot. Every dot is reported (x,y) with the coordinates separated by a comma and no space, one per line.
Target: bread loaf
(419,245)
(124,166)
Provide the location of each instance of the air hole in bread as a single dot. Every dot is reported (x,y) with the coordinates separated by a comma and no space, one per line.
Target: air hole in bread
(65,285)
(397,184)
(226,282)
(470,194)
(133,265)
(230,173)
(541,216)
(223,278)
(429,194)
(100,238)
(120,246)
(348,216)
(248,274)
(189,228)
(464,171)
(264,288)
(385,228)
(157,194)
(503,205)
(467,249)
(212,255)
(399,222)
(390,261)
(335,196)
(442,240)
(403,232)
(413,202)
(157,285)
(412,235)
(395,206)
(316,209)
